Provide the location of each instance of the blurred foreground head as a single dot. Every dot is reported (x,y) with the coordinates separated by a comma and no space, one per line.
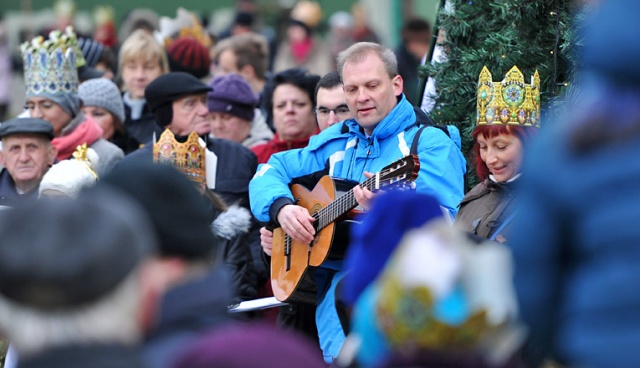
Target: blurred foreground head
(178,212)
(609,101)
(68,266)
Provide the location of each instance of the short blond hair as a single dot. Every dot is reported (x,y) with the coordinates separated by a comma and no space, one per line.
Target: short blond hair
(359,51)
(142,45)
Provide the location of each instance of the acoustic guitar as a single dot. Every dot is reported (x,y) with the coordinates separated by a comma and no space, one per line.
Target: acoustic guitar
(292,261)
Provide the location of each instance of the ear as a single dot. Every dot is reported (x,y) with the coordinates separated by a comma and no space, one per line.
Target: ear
(2,159)
(398,84)
(247,72)
(53,154)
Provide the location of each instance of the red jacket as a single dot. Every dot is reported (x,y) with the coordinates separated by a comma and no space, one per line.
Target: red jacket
(265,150)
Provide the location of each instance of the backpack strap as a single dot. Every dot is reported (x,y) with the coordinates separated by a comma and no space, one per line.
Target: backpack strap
(423,120)
(416,138)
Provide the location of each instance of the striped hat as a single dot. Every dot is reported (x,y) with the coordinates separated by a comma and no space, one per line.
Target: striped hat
(91,50)
(188,55)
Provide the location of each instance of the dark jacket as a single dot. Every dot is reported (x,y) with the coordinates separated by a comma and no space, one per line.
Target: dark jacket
(141,130)
(408,69)
(8,194)
(186,311)
(485,208)
(89,356)
(231,228)
(235,167)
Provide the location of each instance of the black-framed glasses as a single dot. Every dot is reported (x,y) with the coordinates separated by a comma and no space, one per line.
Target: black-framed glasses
(340,111)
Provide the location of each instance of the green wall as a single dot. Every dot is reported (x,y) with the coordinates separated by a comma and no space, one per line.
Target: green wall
(168,8)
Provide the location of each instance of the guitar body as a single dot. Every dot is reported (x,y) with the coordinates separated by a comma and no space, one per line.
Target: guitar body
(287,278)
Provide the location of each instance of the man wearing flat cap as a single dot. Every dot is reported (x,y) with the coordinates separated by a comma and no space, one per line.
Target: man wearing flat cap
(76,280)
(26,155)
(179,102)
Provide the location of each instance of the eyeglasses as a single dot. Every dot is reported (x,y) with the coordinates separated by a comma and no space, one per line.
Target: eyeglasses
(340,111)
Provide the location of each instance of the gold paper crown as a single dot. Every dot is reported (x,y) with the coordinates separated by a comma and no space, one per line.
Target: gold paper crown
(185,24)
(80,154)
(188,157)
(510,101)
(103,14)
(50,66)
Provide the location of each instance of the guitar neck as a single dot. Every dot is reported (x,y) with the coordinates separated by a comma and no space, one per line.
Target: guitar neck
(341,205)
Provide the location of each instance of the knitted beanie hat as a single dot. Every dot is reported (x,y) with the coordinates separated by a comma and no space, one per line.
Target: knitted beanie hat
(91,50)
(103,93)
(233,95)
(188,55)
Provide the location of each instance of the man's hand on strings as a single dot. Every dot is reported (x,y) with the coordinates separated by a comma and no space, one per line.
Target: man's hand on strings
(363,195)
(297,223)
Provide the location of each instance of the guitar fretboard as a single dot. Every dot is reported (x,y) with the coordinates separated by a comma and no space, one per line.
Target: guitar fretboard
(340,206)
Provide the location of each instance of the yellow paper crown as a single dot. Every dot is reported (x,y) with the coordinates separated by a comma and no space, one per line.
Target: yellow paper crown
(103,14)
(510,101)
(188,157)
(185,24)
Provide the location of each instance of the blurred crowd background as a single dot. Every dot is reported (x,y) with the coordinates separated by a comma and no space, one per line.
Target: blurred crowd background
(110,23)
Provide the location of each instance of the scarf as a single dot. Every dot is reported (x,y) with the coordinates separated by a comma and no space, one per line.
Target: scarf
(301,50)
(87,132)
(136,106)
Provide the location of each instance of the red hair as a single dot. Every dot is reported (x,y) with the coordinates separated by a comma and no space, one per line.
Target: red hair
(494,130)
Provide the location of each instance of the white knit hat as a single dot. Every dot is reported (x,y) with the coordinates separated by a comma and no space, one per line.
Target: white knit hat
(102,92)
(70,176)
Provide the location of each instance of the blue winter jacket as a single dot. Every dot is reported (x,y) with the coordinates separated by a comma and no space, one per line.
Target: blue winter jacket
(344,151)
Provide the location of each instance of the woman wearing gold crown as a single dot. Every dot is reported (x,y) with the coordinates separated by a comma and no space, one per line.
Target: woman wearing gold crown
(51,78)
(507,117)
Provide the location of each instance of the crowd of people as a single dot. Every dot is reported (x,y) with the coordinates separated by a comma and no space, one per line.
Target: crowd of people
(148,189)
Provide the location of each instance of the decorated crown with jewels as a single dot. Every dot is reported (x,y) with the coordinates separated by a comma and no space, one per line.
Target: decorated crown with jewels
(188,157)
(510,101)
(50,66)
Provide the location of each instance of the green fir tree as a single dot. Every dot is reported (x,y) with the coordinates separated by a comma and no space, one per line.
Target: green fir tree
(533,35)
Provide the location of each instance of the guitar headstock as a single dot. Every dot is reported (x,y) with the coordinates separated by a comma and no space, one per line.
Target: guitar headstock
(399,175)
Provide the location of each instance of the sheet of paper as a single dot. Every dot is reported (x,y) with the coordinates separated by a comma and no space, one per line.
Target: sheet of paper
(256,304)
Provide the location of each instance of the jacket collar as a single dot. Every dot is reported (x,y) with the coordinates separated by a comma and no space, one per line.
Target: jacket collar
(399,118)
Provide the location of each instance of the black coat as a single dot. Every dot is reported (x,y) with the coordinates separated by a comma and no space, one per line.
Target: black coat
(8,195)
(140,131)
(185,312)
(236,167)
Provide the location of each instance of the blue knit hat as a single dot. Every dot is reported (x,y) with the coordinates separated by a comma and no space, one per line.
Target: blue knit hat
(611,47)
(372,242)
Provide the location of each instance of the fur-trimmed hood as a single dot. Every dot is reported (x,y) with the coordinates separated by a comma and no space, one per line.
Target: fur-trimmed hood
(232,222)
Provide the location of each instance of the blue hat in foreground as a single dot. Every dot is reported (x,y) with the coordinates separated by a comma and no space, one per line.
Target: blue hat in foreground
(26,126)
(372,242)
(611,47)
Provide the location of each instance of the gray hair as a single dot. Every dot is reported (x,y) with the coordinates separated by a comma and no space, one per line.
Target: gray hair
(111,319)
(360,50)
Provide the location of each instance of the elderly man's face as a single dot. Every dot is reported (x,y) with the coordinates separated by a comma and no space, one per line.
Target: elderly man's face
(190,113)
(27,158)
